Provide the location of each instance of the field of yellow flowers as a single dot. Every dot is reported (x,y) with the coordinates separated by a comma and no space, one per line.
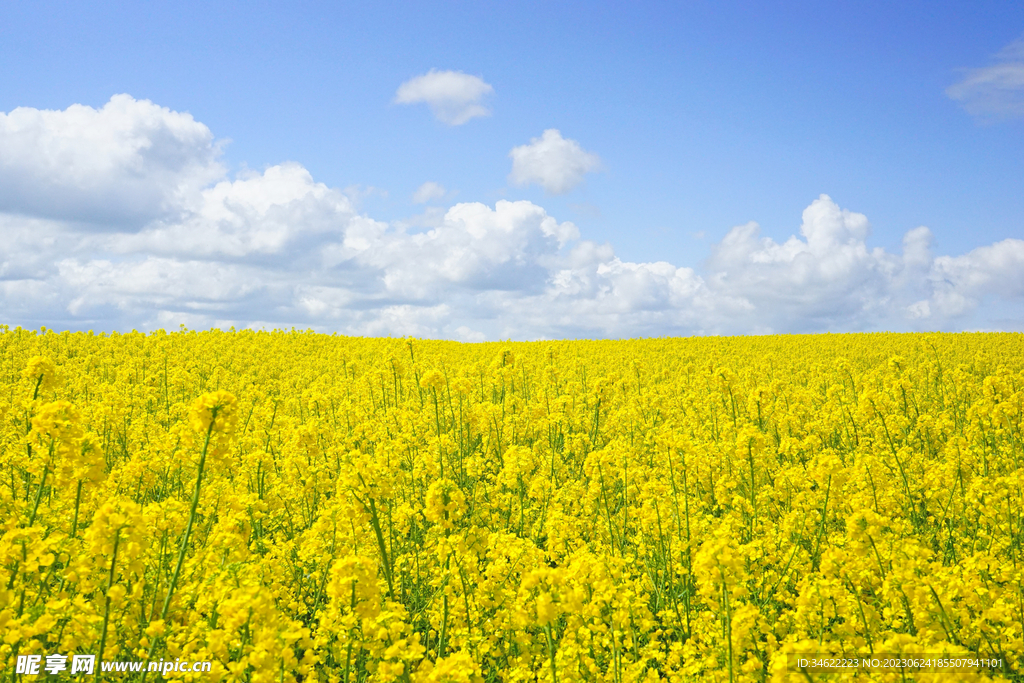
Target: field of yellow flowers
(300,507)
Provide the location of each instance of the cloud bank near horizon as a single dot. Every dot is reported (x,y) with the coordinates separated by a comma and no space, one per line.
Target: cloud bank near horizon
(123,218)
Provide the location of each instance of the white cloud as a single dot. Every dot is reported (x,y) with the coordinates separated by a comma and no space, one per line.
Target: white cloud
(454,97)
(825,276)
(139,285)
(123,164)
(428,191)
(277,249)
(960,283)
(280,210)
(508,248)
(463,333)
(997,90)
(553,162)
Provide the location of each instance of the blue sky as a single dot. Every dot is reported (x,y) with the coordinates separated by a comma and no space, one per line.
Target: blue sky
(697,118)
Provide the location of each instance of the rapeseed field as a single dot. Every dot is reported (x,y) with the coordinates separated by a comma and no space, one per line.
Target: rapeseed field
(303,507)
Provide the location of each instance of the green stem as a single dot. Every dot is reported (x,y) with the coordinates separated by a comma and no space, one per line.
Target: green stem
(185,537)
(385,561)
(191,521)
(39,491)
(348,651)
(551,653)
(728,621)
(110,584)
(444,627)
(78,501)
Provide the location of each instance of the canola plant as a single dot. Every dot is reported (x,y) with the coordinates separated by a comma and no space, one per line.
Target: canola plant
(290,506)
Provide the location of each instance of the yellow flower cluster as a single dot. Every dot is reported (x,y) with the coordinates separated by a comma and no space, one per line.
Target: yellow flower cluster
(301,507)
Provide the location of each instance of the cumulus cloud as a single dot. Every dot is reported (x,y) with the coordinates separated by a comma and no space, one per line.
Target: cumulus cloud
(960,283)
(278,249)
(826,276)
(259,215)
(997,90)
(125,163)
(428,191)
(454,97)
(553,162)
